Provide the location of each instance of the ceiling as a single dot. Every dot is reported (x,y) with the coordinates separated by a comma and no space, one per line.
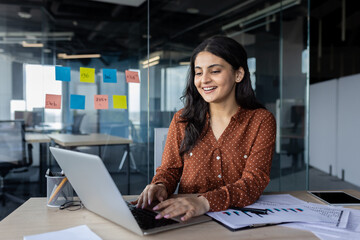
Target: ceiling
(89,26)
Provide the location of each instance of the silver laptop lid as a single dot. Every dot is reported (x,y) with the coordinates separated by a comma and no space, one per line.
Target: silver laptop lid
(95,187)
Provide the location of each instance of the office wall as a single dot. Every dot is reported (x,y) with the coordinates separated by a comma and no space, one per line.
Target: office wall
(323,125)
(334,127)
(5,88)
(348,156)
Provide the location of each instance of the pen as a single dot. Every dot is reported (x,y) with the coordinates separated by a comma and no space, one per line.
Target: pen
(57,189)
(252,210)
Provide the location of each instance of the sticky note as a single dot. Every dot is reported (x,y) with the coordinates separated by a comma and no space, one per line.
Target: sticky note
(77,101)
(87,75)
(101,102)
(109,75)
(62,73)
(53,101)
(132,76)
(119,101)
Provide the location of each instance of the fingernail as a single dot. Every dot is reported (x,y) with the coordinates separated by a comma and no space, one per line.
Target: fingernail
(143,206)
(149,202)
(155,208)
(167,216)
(161,199)
(183,219)
(158,216)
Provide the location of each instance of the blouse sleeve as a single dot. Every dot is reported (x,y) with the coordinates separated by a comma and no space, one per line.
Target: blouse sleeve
(256,174)
(170,170)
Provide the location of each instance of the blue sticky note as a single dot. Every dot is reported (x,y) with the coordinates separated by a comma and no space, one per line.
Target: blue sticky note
(62,73)
(77,101)
(109,75)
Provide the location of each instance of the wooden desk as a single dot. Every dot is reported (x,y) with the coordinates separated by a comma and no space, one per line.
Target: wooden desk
(94,139)
(43,141)
(23,222)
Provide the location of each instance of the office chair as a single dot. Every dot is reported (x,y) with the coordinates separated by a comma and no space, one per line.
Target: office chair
(77,123)
(295,147)
(135,145)
(12,154)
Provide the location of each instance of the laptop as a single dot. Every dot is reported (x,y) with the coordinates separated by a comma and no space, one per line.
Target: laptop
(99,194)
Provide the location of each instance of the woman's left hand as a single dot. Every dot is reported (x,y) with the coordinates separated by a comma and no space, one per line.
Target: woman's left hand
(189,206)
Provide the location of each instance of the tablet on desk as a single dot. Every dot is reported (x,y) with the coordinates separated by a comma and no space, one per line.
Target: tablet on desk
(336,197)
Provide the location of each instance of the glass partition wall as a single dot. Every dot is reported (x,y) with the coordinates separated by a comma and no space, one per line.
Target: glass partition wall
(275,36)
(152,42)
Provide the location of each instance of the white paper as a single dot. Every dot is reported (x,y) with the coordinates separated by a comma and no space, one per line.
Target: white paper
(325,232)
(81,232)
(354,220)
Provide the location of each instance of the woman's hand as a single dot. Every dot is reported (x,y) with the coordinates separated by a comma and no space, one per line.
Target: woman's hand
(151,192)
(189,206)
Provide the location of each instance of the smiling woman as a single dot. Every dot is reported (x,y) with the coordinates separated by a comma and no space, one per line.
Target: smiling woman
(220,145)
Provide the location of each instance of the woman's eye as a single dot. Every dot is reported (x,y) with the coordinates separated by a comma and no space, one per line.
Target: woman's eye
(198,73)
(215,71)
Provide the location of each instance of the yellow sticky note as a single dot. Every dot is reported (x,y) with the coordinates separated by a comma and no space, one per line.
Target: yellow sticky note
(119,101)
(87,75)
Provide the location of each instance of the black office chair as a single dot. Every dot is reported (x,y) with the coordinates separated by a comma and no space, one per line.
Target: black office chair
(12,154)
(295,146)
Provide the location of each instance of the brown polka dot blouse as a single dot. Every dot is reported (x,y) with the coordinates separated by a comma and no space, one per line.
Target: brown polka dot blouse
(231,171)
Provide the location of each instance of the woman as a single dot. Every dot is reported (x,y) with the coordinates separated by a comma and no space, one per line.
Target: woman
(220,144)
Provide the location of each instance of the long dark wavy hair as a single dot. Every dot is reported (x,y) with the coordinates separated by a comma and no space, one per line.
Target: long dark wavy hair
(196,108)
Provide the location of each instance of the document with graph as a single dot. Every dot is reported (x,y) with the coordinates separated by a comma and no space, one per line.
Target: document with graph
(280,212)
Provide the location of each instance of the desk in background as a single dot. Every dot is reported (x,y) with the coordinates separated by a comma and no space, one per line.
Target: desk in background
(43,141)
(46,128)
(22,222)
(94,139)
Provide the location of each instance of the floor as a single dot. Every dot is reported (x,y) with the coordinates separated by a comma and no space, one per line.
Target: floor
(20,187)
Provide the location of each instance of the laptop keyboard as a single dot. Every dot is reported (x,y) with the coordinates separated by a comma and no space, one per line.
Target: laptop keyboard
(146,219)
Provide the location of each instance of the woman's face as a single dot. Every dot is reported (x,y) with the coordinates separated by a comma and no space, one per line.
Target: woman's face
(215,78)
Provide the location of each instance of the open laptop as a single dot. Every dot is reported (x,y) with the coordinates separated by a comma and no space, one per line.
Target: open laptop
(99,194)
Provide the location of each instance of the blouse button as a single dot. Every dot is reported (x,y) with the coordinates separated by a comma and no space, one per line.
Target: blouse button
(191,154)
(218,157)
(245,156)
(219,176)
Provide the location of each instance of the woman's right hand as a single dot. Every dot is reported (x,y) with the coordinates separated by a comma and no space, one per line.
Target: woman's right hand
(151,192)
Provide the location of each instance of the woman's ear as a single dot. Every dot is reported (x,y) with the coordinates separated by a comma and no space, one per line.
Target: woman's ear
(239,75)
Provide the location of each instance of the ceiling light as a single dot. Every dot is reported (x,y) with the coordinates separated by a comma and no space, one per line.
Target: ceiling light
(151,60)
(132,3)
(151,64)
(77,56)
(24,13)
(46,50)
(184,63)
(192,10)
(146,36)
(34,45)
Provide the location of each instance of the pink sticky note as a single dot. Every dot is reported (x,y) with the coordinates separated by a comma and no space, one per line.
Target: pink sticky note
(132,76)
(53,101)
(101,102)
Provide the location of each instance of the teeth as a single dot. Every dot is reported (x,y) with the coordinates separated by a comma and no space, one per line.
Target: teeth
(209,88)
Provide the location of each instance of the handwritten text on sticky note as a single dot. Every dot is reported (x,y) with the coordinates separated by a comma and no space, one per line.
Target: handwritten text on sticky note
(53,101)
(87,75)
(101,102)
(132,76)
(119,101)
(109,75)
